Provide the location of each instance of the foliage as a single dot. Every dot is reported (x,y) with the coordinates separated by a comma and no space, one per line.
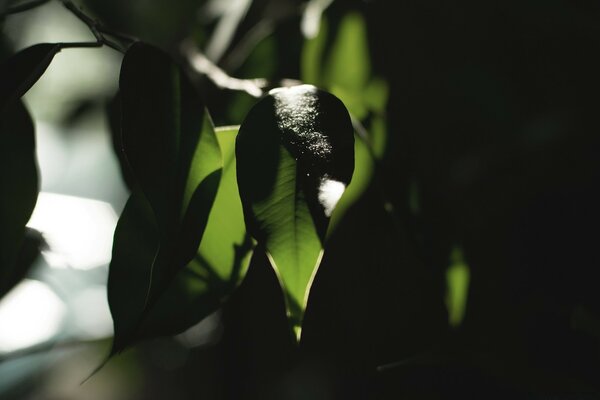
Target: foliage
(365,225)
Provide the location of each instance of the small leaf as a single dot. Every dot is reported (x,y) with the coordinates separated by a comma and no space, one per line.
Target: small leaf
(171,148)
(295,154)
(23,69)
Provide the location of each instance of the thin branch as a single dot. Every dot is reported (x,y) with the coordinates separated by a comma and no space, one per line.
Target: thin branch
(80,45)
(24,7)
(96,28)
(201,64)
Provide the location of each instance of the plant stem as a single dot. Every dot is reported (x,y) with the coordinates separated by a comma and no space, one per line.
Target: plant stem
(201,64)
(94,26)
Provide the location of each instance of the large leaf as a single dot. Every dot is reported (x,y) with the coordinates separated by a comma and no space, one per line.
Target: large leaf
(170,144)
(18,169)
(295,155)
(201,286)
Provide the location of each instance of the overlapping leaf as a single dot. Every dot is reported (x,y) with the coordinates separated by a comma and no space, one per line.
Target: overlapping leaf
(295,155)
(339,62)
(18,169)
(170,145)
(218,267)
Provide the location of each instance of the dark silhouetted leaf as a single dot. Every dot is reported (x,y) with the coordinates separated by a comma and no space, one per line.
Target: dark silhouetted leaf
(18,169)
(174,156)
(18,186)
(23,69)
(295,154)
(113,113)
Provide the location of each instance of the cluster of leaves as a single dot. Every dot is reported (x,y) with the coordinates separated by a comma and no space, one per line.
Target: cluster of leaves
(486,189)
(205,200)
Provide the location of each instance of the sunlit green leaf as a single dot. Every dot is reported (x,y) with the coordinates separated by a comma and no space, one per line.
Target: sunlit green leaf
(348,65)
(200,287)
(220,263)
(170,144)
(295,155)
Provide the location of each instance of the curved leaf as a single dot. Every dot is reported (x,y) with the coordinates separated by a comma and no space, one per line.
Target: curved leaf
(170,145)
(23,69)
(295,154)
(18,186)
(220,263)
(18,168)
(218,267)
(346,72)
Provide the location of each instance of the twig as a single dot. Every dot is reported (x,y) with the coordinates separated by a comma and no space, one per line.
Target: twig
(94,27)
(80,45)
(24,7)
(201,64)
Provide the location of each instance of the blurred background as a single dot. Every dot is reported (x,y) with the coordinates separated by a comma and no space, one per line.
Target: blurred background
(467,266)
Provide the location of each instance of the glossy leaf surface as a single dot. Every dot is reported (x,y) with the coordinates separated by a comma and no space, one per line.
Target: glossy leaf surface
(295,154)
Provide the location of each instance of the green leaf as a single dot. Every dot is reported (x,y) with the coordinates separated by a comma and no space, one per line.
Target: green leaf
(220,263)
(295,155)
(348,65)
(170,144)
(201,286)
(312,55)
(22,70)
(364,166)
